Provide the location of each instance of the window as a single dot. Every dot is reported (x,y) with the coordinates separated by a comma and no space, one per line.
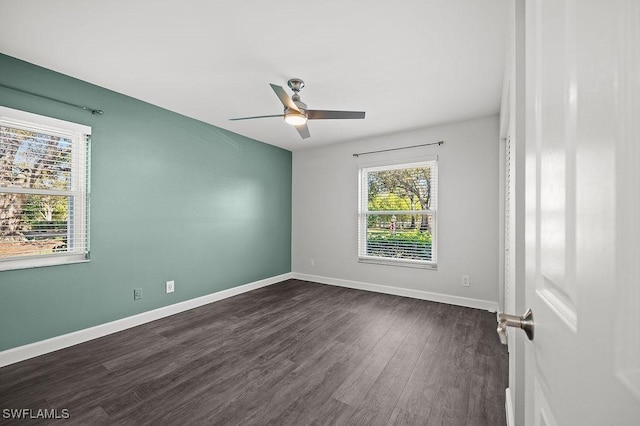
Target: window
(44,196)
(398,214)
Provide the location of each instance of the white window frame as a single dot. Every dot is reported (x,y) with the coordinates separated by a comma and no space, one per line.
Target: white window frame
(363,211)
(80,135)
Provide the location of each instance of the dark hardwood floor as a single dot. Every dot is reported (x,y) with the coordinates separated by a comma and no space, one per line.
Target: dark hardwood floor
(294,353)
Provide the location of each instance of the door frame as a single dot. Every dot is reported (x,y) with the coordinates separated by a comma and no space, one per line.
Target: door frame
(512,125)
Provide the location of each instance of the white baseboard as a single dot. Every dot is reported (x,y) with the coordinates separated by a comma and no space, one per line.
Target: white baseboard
(508,407)
(398,291)
(21,353)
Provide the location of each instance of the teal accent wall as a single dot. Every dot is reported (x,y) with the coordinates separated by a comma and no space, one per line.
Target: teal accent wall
(172,198)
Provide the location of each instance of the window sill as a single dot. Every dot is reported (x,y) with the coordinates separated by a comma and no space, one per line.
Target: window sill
(399,262)
(38,262)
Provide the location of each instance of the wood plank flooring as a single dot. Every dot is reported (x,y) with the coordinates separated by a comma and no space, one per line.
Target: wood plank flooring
(294,353)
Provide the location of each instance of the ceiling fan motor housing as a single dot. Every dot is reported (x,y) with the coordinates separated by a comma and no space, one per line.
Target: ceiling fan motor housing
(301,105)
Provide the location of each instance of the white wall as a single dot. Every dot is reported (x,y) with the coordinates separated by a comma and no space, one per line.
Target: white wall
(325,183)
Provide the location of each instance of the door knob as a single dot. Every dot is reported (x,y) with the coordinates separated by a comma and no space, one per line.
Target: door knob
(524,322)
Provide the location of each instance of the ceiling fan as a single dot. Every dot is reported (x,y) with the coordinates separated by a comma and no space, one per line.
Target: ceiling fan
(296,112)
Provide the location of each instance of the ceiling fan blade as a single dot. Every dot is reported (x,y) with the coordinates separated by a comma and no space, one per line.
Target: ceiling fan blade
(257,116)
(284,98)
(319,114)
(303,130)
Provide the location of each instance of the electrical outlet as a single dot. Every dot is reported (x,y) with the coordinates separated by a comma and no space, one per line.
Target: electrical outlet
(137,293)
(170,286)
(466,280)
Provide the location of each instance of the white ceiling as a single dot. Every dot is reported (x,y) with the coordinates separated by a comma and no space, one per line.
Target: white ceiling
(407,63)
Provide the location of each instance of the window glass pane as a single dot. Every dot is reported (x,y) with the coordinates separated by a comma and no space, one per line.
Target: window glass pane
(398,211)
(34,224)
(34,160)
(400,236)
(43,190)
(400,189)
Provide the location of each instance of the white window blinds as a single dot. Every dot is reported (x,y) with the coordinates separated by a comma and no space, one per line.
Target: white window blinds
(398,214)
(44,190)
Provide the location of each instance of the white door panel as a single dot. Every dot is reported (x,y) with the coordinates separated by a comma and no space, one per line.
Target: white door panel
(582,235)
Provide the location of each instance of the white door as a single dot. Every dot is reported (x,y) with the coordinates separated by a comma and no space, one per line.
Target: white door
(582,212)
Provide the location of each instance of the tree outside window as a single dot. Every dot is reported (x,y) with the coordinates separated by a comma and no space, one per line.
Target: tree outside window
(398,213)
(43,190)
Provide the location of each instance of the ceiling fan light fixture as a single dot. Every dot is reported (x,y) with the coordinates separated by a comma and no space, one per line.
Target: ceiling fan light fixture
(296,112)
(295,118)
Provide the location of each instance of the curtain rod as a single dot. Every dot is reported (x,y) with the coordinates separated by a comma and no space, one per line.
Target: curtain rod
(86,108)
(396,149)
